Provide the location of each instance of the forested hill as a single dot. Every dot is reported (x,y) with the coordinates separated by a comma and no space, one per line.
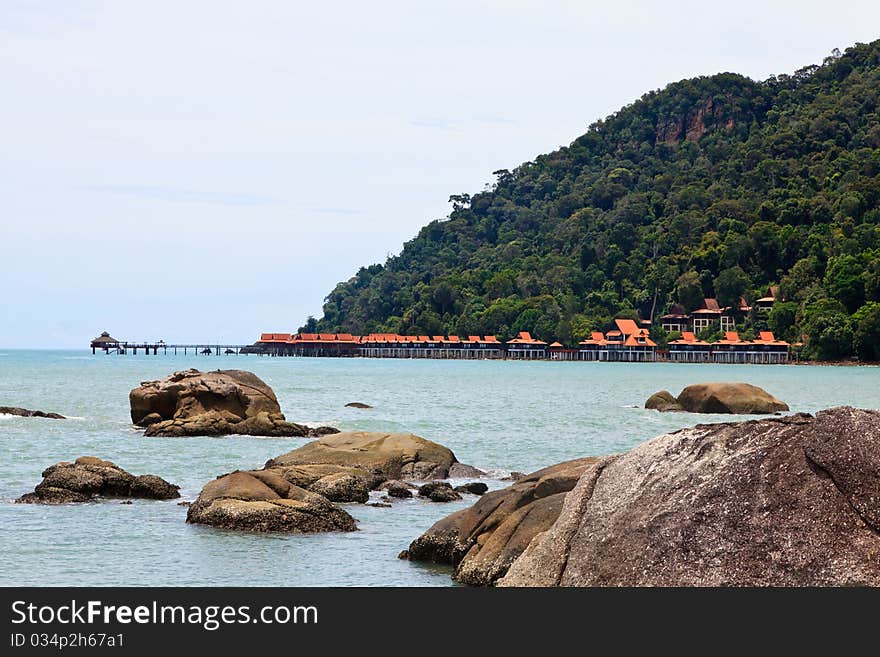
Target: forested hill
(717,186)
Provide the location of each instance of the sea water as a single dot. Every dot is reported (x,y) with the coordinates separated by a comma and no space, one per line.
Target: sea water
(500,416)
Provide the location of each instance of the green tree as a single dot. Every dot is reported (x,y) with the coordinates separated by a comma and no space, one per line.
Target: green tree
(689,291)
(731,285)
(845,282)
(866,332)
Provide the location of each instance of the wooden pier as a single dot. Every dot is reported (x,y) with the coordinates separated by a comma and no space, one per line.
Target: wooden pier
(110,345)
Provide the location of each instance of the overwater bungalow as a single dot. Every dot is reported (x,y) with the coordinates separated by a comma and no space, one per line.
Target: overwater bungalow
(525,347)
(628,343)
(688,349)
(731,349)
(590,348)
(767,349)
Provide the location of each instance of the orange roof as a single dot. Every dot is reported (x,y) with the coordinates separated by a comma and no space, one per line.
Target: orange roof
(473,339)
(424,338)
(454,338)
(627,326)
(491,338)
(525,337)
(766,337)
(274,337)
(711,304)
(640,340)
(732,337)
(689,338)
(596,338)
(438,338)
(556,345)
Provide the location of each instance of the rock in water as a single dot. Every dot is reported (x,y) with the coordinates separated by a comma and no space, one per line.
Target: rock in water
(394,455)
(89,477)
(24,412)
(194,403)
(484,539)
(262,501)
(789,501)
(357,405)
(740,398)
(663,401)
(439,491)
(472,487)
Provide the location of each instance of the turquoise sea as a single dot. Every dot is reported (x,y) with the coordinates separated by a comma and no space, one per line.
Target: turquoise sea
(497,415)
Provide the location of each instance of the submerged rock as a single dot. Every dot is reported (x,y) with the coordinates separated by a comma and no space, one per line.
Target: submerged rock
(786,501)
(484,539)
(89,477)
(24,412)
(739,398)
(194,403)
(261,501)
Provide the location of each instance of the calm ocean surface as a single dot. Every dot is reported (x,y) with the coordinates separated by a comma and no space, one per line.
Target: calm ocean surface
(499,416)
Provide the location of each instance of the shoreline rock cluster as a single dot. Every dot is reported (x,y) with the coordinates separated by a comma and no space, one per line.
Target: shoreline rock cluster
(219,403)
(736,398)
(89,477)
(299,491)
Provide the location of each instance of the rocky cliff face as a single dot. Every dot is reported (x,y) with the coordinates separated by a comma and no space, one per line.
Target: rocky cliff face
(692,125)
(793,501)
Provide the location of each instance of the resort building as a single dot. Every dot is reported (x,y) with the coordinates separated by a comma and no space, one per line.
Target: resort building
(731,349)
(628,343)
(525,347)
(765,304)
(767,349)
(688,349)
(710,315)
(590,348)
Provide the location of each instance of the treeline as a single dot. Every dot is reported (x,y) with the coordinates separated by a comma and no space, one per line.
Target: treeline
(717,186)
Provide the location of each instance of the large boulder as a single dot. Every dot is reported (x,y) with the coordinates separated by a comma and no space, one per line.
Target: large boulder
(789,501)
(394,455)
(89,477)
(263,501)
(25,412)
(739,398)
(484,539)
(194,403)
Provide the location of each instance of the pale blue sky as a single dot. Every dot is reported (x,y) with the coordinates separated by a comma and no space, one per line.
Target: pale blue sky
(209,170)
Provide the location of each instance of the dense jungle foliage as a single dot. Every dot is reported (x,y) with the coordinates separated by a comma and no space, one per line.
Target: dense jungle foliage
(718,186)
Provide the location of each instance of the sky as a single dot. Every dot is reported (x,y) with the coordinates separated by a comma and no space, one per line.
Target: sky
(205,171)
